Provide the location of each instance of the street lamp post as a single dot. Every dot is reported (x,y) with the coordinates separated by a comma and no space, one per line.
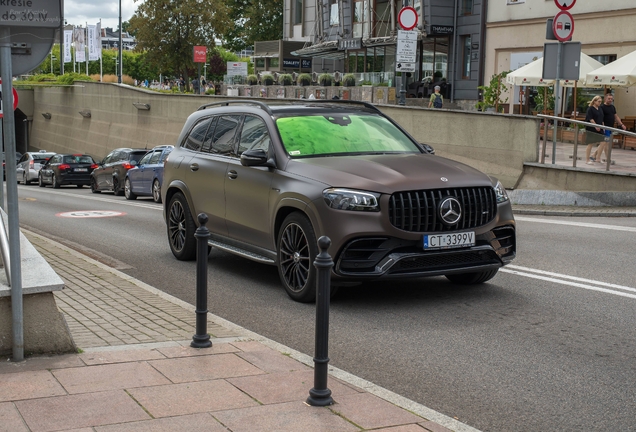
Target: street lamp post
(120,69)
(52,58)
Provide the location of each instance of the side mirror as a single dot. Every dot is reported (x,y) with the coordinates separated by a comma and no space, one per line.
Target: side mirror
(428,148)
(256,157)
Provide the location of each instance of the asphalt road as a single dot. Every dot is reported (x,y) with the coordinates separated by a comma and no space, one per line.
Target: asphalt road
(547,345)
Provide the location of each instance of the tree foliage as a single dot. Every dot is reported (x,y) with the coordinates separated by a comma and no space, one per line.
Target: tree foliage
(168,30)
(254,20)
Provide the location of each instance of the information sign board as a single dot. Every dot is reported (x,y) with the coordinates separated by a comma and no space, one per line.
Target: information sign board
(406,47)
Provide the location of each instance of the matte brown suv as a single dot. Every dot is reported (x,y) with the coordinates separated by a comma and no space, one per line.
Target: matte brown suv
(274,178)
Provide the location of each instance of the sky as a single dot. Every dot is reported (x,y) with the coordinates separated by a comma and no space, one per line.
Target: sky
(81,12)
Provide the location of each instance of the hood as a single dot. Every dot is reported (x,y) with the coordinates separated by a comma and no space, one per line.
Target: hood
(389,173)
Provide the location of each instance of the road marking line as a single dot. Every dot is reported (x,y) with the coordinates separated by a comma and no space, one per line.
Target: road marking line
(576,224)
(572,284)
(124,202)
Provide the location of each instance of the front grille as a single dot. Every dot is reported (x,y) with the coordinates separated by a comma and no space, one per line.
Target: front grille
(417,211)
(445,261)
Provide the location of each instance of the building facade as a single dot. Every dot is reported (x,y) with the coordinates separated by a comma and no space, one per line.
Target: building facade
(360,36)
(516,33)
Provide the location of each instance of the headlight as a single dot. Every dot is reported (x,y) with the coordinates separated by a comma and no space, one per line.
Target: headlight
(347,199)
(500,191)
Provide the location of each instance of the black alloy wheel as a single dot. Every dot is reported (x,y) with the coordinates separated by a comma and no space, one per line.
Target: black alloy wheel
(297,250)
(156,191)
(128,193)
(40,181)
(472,278)
(117,187)
(181,229)
(56,184)
(94,188)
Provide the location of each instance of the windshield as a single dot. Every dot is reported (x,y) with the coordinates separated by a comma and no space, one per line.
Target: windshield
(342,134)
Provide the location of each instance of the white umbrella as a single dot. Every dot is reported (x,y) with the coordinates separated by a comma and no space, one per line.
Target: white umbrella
(529,75)
(621,72)
(587,65)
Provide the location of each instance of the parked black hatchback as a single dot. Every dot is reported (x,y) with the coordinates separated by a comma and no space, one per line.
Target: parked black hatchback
(111,172)
(67,169)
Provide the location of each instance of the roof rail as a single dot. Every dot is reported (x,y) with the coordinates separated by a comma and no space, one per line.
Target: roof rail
(262,105)
(342,101)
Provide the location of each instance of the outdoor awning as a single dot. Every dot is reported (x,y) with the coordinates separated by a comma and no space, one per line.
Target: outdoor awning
(531,74)
(317,50)
(621,72)
(266,55)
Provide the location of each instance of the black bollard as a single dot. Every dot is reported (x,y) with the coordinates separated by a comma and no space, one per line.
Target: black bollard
(320,395)
(202,339)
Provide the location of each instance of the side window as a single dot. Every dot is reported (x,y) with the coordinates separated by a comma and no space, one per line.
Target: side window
(155,157)
(224,132)
(194,140)
(56,159)
(24,158)
(165,155)
(144,160)
(207,144)
(254,135)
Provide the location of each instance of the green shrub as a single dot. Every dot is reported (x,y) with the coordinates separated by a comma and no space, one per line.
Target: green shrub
(252,80)
(349,80)
(285,79)
(304,79)
(325,79)
(268,79)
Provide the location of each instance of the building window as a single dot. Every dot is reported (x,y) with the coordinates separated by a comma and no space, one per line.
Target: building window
(466,41)
(273,62)
(605,59)
(467,7)
(260,62)
(298,11)
(334,15)
(360,17)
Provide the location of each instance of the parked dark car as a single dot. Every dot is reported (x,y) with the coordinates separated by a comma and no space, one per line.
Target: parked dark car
(111,173)
(18,155)
(272,179)
(29,165)
(146,178)
(67,169)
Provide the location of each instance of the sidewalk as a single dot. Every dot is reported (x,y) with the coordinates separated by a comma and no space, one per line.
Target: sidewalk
(136,371)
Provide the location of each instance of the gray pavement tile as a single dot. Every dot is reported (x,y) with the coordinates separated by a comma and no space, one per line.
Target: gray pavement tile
(108,357)
(41,363)
(189,398)
(250,346)
(404,428)
(370,411)
(80,411)
(200,368)
(191,423)
(287,417)
(272,361)
(10,419)
(29,385)
(434,427)
(285,387)
(109,377)
(188,351)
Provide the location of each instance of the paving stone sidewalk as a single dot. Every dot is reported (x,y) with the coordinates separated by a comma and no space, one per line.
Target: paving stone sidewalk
(136,371)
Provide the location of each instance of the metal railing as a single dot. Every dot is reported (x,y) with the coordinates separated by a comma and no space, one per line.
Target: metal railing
(554,138)
(4,249)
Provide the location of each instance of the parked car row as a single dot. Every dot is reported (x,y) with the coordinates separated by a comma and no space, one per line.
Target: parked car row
(124,171)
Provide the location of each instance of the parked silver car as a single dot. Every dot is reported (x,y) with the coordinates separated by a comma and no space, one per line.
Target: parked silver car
(29,165)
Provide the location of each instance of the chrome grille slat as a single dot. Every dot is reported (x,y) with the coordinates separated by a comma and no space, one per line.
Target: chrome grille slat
(416,211)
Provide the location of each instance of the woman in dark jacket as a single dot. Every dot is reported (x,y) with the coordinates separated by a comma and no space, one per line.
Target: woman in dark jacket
(593,134)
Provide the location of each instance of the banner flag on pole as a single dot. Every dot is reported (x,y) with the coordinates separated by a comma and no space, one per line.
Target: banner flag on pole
(68,40)
(98,39)
(80,45)
(92,46)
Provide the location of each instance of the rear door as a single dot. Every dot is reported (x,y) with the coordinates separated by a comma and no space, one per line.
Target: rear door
(136,175)
(151,171)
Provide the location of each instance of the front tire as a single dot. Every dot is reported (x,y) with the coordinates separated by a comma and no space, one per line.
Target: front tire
(56,185)
(24,179)
(40,181)
(297,250)
(156,191)
(472,278)
(94,186)
(117,187)
(128,193)
(181,229)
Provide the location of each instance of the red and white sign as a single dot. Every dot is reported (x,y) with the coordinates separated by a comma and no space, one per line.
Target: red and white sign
(15,100)
(563,26)
(407,18)
(200,54)
(565,4)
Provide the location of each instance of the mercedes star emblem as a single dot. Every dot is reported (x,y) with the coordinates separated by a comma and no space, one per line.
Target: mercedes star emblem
(450,210)
(444,179)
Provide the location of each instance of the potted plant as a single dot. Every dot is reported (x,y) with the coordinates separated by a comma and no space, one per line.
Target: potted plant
(285,79)
(304,79)
(268,79)
(325,79)
(349,80)
(491,94)
(252,80)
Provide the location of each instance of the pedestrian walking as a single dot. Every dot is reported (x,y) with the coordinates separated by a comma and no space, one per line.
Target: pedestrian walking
(610,118)
(593,134)
(436,100)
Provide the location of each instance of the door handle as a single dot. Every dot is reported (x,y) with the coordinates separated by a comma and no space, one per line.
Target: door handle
(232,174)
(194,167)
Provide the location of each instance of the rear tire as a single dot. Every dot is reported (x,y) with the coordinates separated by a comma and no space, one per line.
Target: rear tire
(181,229)
(297,250)
(24,179)
(56,185)
(94,186)
(156,191)
(117,187)
(128,191)
(472,278)
(40,181)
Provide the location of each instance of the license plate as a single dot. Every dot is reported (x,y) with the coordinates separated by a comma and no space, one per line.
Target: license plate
(81,169)
(449,241)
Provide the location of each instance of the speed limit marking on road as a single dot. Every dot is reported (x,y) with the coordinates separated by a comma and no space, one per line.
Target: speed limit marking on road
(85,214)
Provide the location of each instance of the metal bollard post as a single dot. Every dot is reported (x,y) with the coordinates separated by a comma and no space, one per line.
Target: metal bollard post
(320,395)
(202,339)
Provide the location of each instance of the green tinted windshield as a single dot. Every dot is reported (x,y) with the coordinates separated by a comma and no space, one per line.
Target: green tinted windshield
(328,135)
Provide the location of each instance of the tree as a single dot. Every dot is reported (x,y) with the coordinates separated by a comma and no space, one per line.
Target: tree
(254,20)
(168,30)
(125,25)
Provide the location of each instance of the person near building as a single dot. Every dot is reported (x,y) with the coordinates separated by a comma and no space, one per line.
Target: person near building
(436,100)
(593,134)
(610,118)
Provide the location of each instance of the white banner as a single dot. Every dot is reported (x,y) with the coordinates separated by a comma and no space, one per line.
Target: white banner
(92,52)
(79,40)
(98,39)
(68,40)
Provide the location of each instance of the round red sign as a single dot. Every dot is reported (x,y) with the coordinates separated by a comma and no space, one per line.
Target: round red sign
(407,18)
(564,4)
(15,100)
(563,26)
